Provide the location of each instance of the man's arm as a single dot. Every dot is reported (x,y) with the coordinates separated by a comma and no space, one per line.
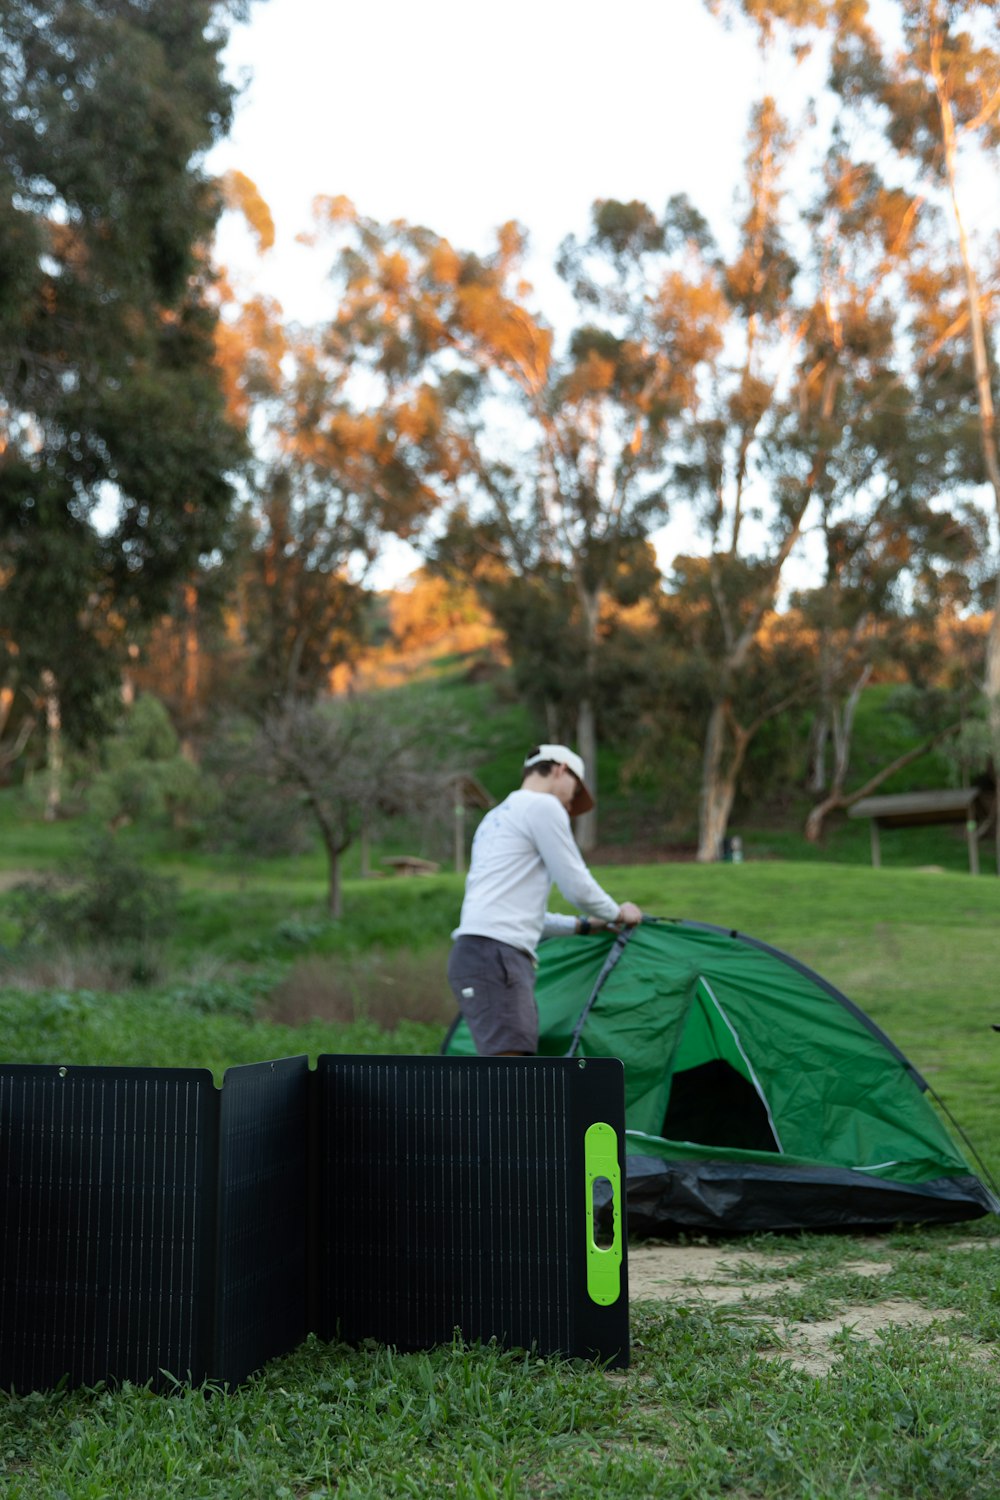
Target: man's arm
(564,862)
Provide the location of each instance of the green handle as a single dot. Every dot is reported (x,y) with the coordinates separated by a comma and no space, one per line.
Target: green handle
(604,1262)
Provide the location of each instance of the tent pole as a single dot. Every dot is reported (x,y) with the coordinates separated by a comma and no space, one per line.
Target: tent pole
(614,954)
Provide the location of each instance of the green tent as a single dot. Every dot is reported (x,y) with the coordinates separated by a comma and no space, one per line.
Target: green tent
(757,1096)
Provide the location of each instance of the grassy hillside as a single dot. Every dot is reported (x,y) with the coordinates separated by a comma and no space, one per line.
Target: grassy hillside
(485,730)
(639,822)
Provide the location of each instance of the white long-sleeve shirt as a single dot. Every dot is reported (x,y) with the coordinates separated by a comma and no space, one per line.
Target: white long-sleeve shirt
(521,849)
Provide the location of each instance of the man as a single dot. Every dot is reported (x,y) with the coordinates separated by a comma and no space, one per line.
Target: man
(520,850)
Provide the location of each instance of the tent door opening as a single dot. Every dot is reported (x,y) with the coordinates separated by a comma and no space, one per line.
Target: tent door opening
(716,1098)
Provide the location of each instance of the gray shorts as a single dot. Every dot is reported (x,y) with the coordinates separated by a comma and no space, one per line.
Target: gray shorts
(494,985)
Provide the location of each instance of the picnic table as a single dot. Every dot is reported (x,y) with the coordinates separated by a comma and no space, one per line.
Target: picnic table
(409,864)
(918,810)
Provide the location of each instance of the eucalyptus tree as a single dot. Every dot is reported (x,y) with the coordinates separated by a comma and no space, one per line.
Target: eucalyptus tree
(116,451)
(933,93)
(896,545)
(303,611)
(922,77)
(538,467)
(752,455)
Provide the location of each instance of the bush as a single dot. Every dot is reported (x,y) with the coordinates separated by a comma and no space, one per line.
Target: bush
(223,995)
(103,898)
(145,777)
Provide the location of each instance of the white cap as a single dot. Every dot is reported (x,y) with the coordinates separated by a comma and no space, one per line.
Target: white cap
(562,755)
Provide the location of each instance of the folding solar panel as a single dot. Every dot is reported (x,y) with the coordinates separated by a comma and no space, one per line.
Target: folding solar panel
(154,1226)
(264,1207)
(106,1255)
(468,1194)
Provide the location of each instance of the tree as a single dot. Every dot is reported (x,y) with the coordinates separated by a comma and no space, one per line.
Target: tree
(878,425)
(197,649)
(893,576)
(143,775)
(937,100)
(429,611)
(894,554)
(540,466)
(753,456)
(335,476)
(349,759)
(116,452)
(931,91)
(303,612)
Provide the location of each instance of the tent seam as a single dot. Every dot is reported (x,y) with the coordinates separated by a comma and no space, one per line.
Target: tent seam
(753,1072)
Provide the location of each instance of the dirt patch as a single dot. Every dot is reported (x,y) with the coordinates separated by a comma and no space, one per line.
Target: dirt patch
(810,1347)
(693,1274)
(685,1273)
(745,1291)
(681,1273)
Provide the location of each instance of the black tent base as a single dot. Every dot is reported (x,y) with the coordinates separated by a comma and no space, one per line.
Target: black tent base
(733,1198)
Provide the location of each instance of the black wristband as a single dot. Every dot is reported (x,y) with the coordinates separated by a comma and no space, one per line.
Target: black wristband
(584,925)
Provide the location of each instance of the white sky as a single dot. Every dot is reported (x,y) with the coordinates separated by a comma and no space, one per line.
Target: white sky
(461,115)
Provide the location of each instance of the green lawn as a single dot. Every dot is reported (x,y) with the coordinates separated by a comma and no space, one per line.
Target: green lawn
(709,1407)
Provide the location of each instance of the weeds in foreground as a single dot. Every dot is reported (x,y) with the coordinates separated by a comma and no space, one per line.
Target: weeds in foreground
(705,1410)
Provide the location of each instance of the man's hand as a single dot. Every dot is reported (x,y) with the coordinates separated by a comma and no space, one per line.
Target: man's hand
(629,915)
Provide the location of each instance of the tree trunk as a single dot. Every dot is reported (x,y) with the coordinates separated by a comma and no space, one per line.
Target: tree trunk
(586,744)
(718,784)
(991,692)
(841,801)
(843,726)
(334,894)
(819,739)
(842,721)
(53,746)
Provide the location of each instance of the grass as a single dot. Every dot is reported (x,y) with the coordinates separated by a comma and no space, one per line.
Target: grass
(706,1408)
(704,1411)
(919,952)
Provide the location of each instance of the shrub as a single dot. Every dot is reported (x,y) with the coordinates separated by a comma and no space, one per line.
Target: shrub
(145,776)
(103,898)
(223,995)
